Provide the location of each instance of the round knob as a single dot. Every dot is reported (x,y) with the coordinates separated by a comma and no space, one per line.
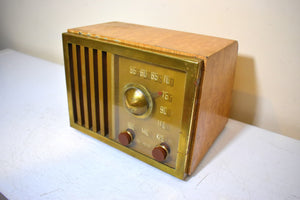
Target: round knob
(160,152)
(137,100)
(126,137)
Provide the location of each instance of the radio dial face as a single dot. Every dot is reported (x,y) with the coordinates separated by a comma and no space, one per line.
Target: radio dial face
(137,100)
(148,100)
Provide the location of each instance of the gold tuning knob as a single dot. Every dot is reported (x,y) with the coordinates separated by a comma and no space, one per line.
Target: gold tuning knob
(138,100)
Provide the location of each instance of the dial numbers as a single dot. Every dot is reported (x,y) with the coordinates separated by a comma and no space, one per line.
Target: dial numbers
(151,75)
(143,73)
(163,110)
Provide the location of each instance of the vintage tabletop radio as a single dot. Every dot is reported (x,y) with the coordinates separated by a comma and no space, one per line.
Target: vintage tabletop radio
(159,95)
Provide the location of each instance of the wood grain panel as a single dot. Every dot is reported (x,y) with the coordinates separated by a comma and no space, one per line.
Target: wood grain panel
(158,39)
(215,99)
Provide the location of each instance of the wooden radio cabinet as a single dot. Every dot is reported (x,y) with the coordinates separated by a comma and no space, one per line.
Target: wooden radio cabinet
(160,95)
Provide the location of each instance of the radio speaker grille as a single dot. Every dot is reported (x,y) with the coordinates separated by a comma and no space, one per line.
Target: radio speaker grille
(88,70)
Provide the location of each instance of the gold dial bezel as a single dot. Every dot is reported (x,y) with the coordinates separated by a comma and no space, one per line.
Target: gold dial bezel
(148,97)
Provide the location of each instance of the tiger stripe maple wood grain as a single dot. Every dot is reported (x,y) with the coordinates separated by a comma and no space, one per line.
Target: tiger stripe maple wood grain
(158,39)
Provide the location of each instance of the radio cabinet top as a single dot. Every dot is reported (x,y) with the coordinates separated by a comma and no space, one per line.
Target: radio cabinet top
(156,39)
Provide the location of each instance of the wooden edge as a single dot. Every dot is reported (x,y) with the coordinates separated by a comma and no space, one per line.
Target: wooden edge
(213,103)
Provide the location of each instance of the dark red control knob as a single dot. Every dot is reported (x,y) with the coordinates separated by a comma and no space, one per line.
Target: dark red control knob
(160,152)
(126,137)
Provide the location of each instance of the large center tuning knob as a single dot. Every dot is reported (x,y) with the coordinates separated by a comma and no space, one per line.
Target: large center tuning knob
(137,100)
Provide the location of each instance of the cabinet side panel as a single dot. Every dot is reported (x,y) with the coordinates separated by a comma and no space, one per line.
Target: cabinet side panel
(214,102)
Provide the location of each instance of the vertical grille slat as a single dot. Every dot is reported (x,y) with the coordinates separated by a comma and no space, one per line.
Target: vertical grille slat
(101,90)
(94,91)
(104,111)
(88,87)
(76,84)
(85,88)
(86,53)
(70,51)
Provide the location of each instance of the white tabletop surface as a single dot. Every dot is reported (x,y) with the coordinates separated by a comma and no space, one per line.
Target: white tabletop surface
(42,157)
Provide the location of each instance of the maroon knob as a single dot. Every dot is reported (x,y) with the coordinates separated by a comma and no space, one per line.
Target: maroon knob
(160,152)
(126,137)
